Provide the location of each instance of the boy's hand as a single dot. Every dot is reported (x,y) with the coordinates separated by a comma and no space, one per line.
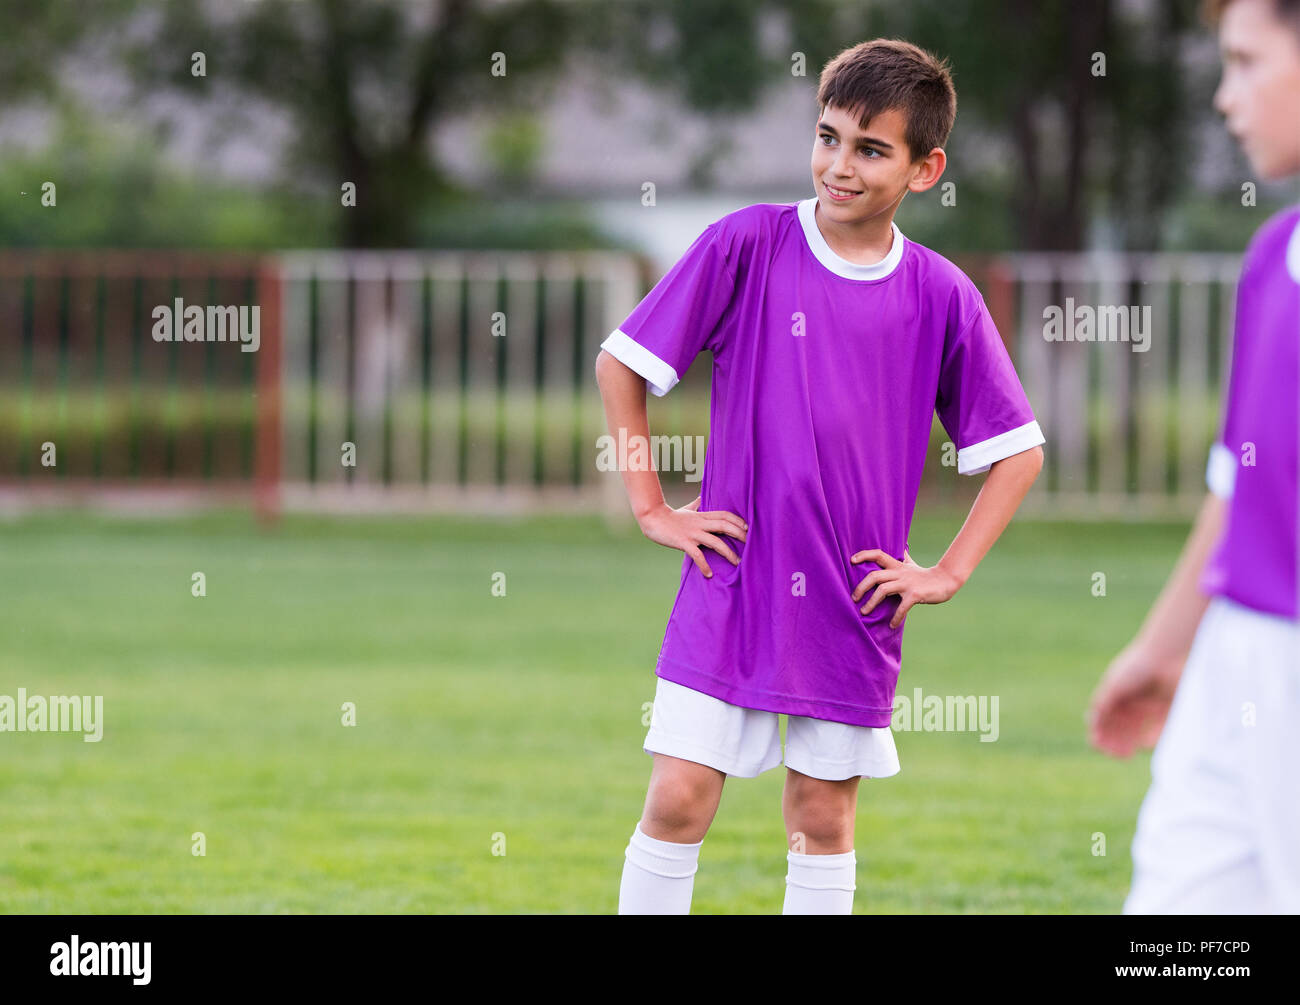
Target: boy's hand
(1132,701)
(915,584)
(686,529)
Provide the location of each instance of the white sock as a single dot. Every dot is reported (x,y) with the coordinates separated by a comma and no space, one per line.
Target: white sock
(658,876)
(820,884)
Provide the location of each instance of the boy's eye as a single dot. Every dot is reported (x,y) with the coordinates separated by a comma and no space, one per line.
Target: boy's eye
(829,140)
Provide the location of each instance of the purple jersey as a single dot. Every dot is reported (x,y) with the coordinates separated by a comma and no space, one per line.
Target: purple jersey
(1254,462)
(826,378)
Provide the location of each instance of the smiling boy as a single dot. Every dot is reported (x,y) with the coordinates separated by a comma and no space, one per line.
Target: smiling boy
(834,341)
(1214,672)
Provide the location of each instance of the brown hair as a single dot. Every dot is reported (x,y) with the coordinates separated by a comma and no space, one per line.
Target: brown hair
(887,73)
(1287,11)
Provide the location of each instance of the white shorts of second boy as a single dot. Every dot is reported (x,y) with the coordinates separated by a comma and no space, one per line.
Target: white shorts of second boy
(1219,829)
(745,742)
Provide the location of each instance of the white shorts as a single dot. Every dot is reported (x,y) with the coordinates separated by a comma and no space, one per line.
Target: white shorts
(745,742)
(1219,830)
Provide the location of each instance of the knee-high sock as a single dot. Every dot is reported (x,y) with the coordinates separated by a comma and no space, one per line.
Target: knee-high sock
(820,884)
(658,876)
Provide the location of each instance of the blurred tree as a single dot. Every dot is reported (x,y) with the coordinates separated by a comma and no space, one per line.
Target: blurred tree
(36,38)
(1084,141)
(1095,105)
(363,84)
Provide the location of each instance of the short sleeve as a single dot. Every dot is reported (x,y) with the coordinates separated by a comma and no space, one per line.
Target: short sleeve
(1221,469)
(980,401)
(679,317)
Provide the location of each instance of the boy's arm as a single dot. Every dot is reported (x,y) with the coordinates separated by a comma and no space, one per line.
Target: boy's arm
(1003,490)
(623,392)
(1132,699)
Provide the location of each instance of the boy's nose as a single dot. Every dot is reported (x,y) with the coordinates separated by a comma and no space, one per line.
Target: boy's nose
(1220,100)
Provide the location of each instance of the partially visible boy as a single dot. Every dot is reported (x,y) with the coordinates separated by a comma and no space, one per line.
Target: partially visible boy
(1219,830)
(834,340)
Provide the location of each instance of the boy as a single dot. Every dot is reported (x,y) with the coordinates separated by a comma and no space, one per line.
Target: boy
(833,340)
(1219,830)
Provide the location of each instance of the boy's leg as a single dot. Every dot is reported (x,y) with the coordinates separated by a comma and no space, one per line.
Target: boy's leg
(696,741)
(819,820)
(825,762)
(682,799)
(1271,685)
(663,853)
(1195,850)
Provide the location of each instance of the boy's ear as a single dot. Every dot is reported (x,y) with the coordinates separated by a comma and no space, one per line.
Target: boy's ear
(930,169)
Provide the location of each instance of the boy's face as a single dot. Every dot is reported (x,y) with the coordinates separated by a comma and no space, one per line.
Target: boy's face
(871,169)
(1259,94)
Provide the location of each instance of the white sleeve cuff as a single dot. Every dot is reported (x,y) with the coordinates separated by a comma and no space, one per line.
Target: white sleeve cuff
(659,376)
(981,456)
(1221,471)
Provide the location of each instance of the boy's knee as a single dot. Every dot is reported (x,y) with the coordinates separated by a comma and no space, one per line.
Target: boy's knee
(820,814)
(814,832)
(672,817)
(681,804)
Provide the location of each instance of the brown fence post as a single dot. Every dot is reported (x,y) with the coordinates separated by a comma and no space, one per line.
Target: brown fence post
(267,468)
(1002,303)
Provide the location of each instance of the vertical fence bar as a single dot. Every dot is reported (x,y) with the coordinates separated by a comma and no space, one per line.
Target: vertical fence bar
(426,373)
(64,370)
(1193,377)
(447,277)
(542,330)
(270,381)
(28,367)
(1071,407)
(560,276)
(1153,374)
(1036,274)
(502,352)
(1114,403)
(101,417)
(580,299)
(521,369)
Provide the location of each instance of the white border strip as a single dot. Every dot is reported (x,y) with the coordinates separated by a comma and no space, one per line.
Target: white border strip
(979,457)
(842,266)
(1221,471)
(659,376)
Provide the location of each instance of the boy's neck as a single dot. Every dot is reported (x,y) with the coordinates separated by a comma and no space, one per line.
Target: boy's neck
(865,243)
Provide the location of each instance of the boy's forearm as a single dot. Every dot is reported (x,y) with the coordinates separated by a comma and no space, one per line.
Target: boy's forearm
(1171,624)
(623,392)
(1004,488)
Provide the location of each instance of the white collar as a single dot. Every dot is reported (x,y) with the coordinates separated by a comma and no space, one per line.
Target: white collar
(842,266)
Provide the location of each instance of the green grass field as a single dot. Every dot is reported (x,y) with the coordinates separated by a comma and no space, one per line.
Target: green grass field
(519,716)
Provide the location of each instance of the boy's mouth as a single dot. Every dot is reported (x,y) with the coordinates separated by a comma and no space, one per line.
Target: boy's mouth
(840,194)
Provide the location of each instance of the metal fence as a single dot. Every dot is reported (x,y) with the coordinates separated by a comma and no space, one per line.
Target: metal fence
(91,402)
(1128,423)
(447,380)
(466,381)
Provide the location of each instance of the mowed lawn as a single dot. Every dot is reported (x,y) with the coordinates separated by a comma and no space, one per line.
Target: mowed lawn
(489,724)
